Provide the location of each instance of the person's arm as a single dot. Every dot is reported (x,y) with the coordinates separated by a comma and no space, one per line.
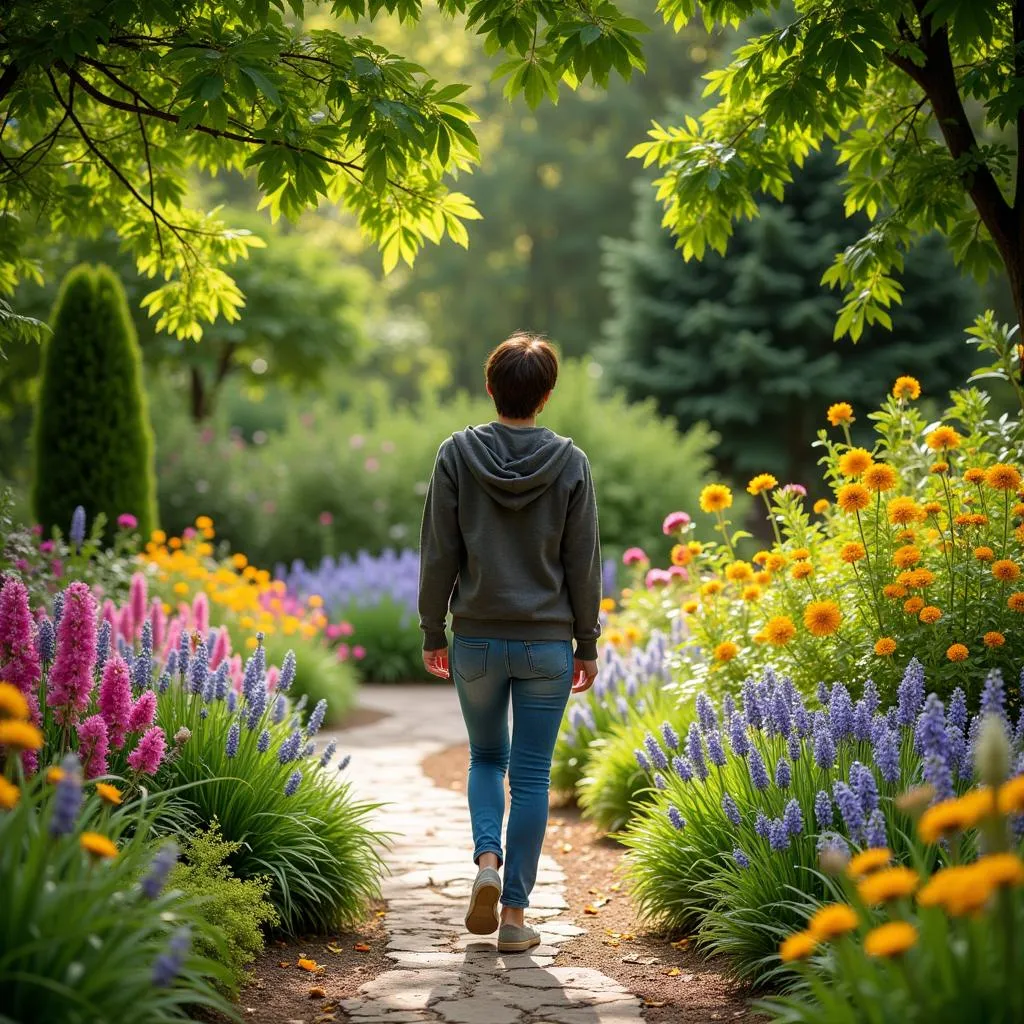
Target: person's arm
(440,547)
(581,559)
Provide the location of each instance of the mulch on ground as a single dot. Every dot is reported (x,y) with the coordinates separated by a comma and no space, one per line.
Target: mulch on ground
(676,985)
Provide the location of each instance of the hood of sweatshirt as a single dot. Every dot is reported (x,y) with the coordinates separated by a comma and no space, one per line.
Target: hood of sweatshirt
(514,465)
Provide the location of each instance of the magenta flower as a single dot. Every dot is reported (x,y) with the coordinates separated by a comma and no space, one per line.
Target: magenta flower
(189,532)
(37,530)
(677,572)
(126,624)
(634,556)
(143,712)
(147,757)
(70,684)
(116,699)
(358,652)
(346,629)
(158,620)
(201,613)
(110,615)
(273,674)
(19,659)
(127,521)
(795,489)
(221,647)
(46,547)
(326,519)
(675,522)
(236,671)
(138,598)
(342,652)
(656,578)
(92,746)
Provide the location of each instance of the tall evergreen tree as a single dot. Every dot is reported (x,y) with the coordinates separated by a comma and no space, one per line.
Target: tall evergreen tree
(93,440)
(744,341)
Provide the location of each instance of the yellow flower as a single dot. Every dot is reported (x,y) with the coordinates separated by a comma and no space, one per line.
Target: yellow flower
(799,554)
(801,570)
(839,413)
(761,483)
(315,601)
(1002,477)
(822,618)
(894,591)
(763,578)
(158,537)
(913,605)
(203,523)
(9,794)
(852,552)
(891,884)
(930,614)
(880,477)
(1005,570)
(607,604)
(821,506)
(239,561)
(251,643)
(920,579)
(54,775)
(939,468)
(775,561)
(906,387)
(855,461)
(689,607)
(1001,869)
(695,547)
(759,637)
(1018,510)
(974,475)
(906,556)
(633,633)
(181,589)
(798,946)
(615,637)
(884,646)
(869,860)
(853,497)
(903,511)
(942,439)
(955,815)
(108,794)
(12,703)
(174,543)
(680,555)
(984,554)
(751,593)
(931,508)
(780,630)
(19,735)
(1015,602)
(832,921)
(711,588)
(993,639)
(739,572)
(726,651)
(715,498)
(1011,796)
(957,652)
(891,939)
(97,845)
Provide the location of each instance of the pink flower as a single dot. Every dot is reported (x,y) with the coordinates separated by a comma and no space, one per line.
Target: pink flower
(677,572)
(358,652)
(201,613)
(158,620)
(46,546)
(143,712)
(634,556)
(346,628)
(22,566)
(356,441)
(92,746)
(273,674)
(147,757)
(326,519)
(70,684)
(30,761)
(371,465)
(137,600)
(116,699)
(235,668)
(674,523)
(125,624)
(173,636)
(657,578)
(206,435)
(342,652)
(57,568)
(221,647)
(37,530)
(110,615)
(795,489)
(127,521)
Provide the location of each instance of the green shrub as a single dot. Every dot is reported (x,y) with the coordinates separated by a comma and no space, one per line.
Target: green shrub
(93,442)
(318,674)
(392,640)
(239,908)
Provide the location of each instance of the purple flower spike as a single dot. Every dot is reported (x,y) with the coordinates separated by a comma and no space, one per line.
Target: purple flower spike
(168,965)
(732,812)
(783,774)
(716,753)
(886,755)
(930,730)
(758,772)
(936,772)
(670,736)
(793,818)
(824,814)
(641,760)
(824,749)
(655,753)
(850,808)
(874,832)
(695,750)
(762,824)
(738,735)
(677,820)
(778,836)
(993,697)
(910,694)
(706,713)
(682,768)
(751,705)
(741,859)
(840,713)
(795,746)
(864,785)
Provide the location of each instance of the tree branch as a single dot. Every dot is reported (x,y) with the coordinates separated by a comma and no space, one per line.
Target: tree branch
(1018,72)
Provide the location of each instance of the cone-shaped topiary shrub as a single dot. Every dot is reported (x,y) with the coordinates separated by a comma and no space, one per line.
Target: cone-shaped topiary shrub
(93,440)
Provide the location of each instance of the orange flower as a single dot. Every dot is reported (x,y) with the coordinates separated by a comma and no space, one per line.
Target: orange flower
(840,413)
(739,572)
(822,618)
(957,652)
(1005,570)
(891,884)
(903,511)
(884,646)
(681,555)
(800,553)
(880,477)
(906,387)
(801,570)
(853,497)
(1002,477)
(913,605)
(98,845)
(993,639)
(852,552)
(832,921)
(711,588)
(921,578)
(751,593)
(984,554)
(780,630)
(763,578)
(775,561)
(906,556)
(930,614)
(894,591)
(942,439)
(868,861)
(891,939)
(761,483)
(715,498)
(974,475)
(726,651)
(1011,796)
(939,468)
(855,461)
(797,947)
(689,607)
(1015,602)
(932,508)
(821,506)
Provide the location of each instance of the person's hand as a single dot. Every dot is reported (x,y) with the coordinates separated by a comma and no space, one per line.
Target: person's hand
(436,663)
(583,674)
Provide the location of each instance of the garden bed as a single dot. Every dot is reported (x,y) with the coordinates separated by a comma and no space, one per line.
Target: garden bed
(675,984)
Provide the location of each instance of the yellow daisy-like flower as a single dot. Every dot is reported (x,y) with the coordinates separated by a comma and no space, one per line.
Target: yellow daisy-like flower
(894,591)
(739,572)
(942,439)
(633,633)
(1011,796)
(108,794)
(12,703)
(97,845)
(906,556)
(1005,570)
(1001,869)
(607,604)
(832,921)
(780,630)
(891,939)
(821,506)
(1002,477)
(868,861)
(931,508)
(726,651)
(759,637)
(902,511)
(760,557)
(884,646)
(54,775)
(974,475)
(886,886)
(852,552)
(799,554)
(17,735)
(798,946)
(204,523)
(689,607)
(9,794)
(715,498)
(920,579)
(984,554)
(855,461)
(956,889)
(158,537)
(751,593)
(840,413)
(822,618)
(239,561)
(680,555)
(957,652)
(775,561)
(913,605)
(761,483)
(1018,510)
(801,570)
(695,547)
(943,819)
(880,477)
(181,588)
(939,468)
(711,588)
(993,638)
(615,637)
(1015,602)
(763,578)
(853,497)
(906,387)
(930,614)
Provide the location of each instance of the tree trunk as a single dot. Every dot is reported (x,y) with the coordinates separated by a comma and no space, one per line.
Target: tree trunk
(199,403)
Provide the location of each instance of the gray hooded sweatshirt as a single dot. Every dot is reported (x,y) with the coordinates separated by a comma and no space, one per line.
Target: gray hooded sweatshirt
(509,541)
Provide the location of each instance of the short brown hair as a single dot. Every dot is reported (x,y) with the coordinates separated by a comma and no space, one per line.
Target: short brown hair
(520,372)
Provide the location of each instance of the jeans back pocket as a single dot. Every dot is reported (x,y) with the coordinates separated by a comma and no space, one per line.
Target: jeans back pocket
(469,658)
(548,659)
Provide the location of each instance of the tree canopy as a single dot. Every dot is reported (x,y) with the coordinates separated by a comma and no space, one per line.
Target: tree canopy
(108,105)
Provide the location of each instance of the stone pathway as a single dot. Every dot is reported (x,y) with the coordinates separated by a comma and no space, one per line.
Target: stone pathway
(441,974)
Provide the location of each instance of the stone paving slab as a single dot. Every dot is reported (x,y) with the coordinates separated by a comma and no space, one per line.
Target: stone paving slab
(442,974)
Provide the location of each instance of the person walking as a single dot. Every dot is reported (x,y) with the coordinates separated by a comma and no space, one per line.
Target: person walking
(509,544)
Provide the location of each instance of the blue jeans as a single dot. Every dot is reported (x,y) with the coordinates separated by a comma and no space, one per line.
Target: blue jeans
(537,675)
